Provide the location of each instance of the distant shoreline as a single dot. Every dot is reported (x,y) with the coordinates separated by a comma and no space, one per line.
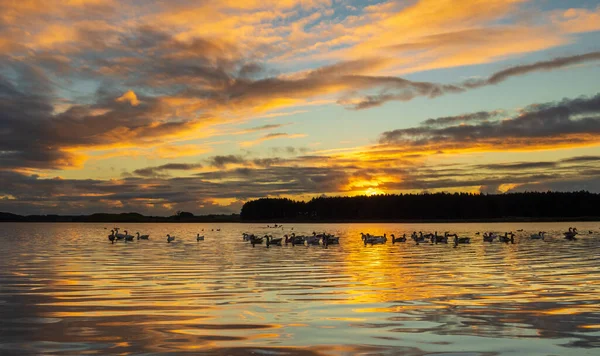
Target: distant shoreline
(230,219)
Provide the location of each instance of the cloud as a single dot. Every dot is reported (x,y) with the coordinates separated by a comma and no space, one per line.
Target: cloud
(410,90)
(570,122)
(555,63)
(160,170)
(270,136)
(129,97)
(223,160)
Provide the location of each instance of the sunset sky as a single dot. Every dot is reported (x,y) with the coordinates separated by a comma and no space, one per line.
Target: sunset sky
(159,106)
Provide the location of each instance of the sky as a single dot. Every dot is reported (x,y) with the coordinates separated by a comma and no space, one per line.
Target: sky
(162,106)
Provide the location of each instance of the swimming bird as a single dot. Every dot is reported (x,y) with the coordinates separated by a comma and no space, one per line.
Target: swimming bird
(460,240)
(398,239)
(199,238)
(111,237)
(570,235)
(330,240)
(273,241)
(142,237)
(373,240)
(294,240)
(489,237)
(539,236)
(117,235)
(170,238)
(256,240)
(507,239)
(439,239)
(128,237)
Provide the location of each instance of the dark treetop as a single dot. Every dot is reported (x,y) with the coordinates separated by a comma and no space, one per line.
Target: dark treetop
(439,206)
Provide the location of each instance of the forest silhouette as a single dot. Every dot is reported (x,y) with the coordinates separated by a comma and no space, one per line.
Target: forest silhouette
(438,206)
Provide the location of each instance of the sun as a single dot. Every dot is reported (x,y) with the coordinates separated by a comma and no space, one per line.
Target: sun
(373,191)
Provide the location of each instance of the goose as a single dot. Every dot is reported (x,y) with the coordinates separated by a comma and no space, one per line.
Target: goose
(111,237)
(128,237)
(117,235)
(507,239)
(294,240)
(199,238)
(489,237)
(418,238)
(539,236)
(373,240)
(313,240)
(439,239)
(570,235)
(255,240)
(142,237)
(330,240)
(273,241)
(170,238)
(399,239)
(460,240)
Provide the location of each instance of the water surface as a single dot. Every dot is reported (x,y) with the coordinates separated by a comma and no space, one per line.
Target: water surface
(65,289)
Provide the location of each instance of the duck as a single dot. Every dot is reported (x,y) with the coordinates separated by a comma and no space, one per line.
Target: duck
(111,237)
(507,239)
(313,240)
(142,237)
(170,238)
(273,241)
(128,237)
(539,236)
(199,238)
(399,239)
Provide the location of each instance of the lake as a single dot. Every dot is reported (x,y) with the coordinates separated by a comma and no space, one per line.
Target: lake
(66,290)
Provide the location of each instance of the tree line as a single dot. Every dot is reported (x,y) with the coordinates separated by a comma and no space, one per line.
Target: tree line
(437,206)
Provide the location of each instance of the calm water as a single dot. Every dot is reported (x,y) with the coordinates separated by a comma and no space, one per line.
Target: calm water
(64,289)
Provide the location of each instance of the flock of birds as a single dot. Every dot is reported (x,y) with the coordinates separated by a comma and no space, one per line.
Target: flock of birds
(326,239)
(434,238)
(116,236)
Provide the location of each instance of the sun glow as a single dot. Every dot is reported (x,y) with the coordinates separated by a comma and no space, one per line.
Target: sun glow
(373,191)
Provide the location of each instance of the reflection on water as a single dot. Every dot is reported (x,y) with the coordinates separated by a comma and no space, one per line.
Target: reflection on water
(65,289)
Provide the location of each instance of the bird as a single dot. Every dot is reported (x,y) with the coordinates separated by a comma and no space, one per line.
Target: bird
(539,236)
(199,238)
(460,240)
(170,238)
(507,239)
(273,241)
(111,237)
(128,237)
(117,235)
(142,237)
(398,239)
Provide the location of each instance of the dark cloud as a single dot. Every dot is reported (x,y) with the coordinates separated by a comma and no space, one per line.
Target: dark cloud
(517,166)
(536,125)
(472,117)
(160,170)
(581,159)
(222,161)
(409,90)
(555,63)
